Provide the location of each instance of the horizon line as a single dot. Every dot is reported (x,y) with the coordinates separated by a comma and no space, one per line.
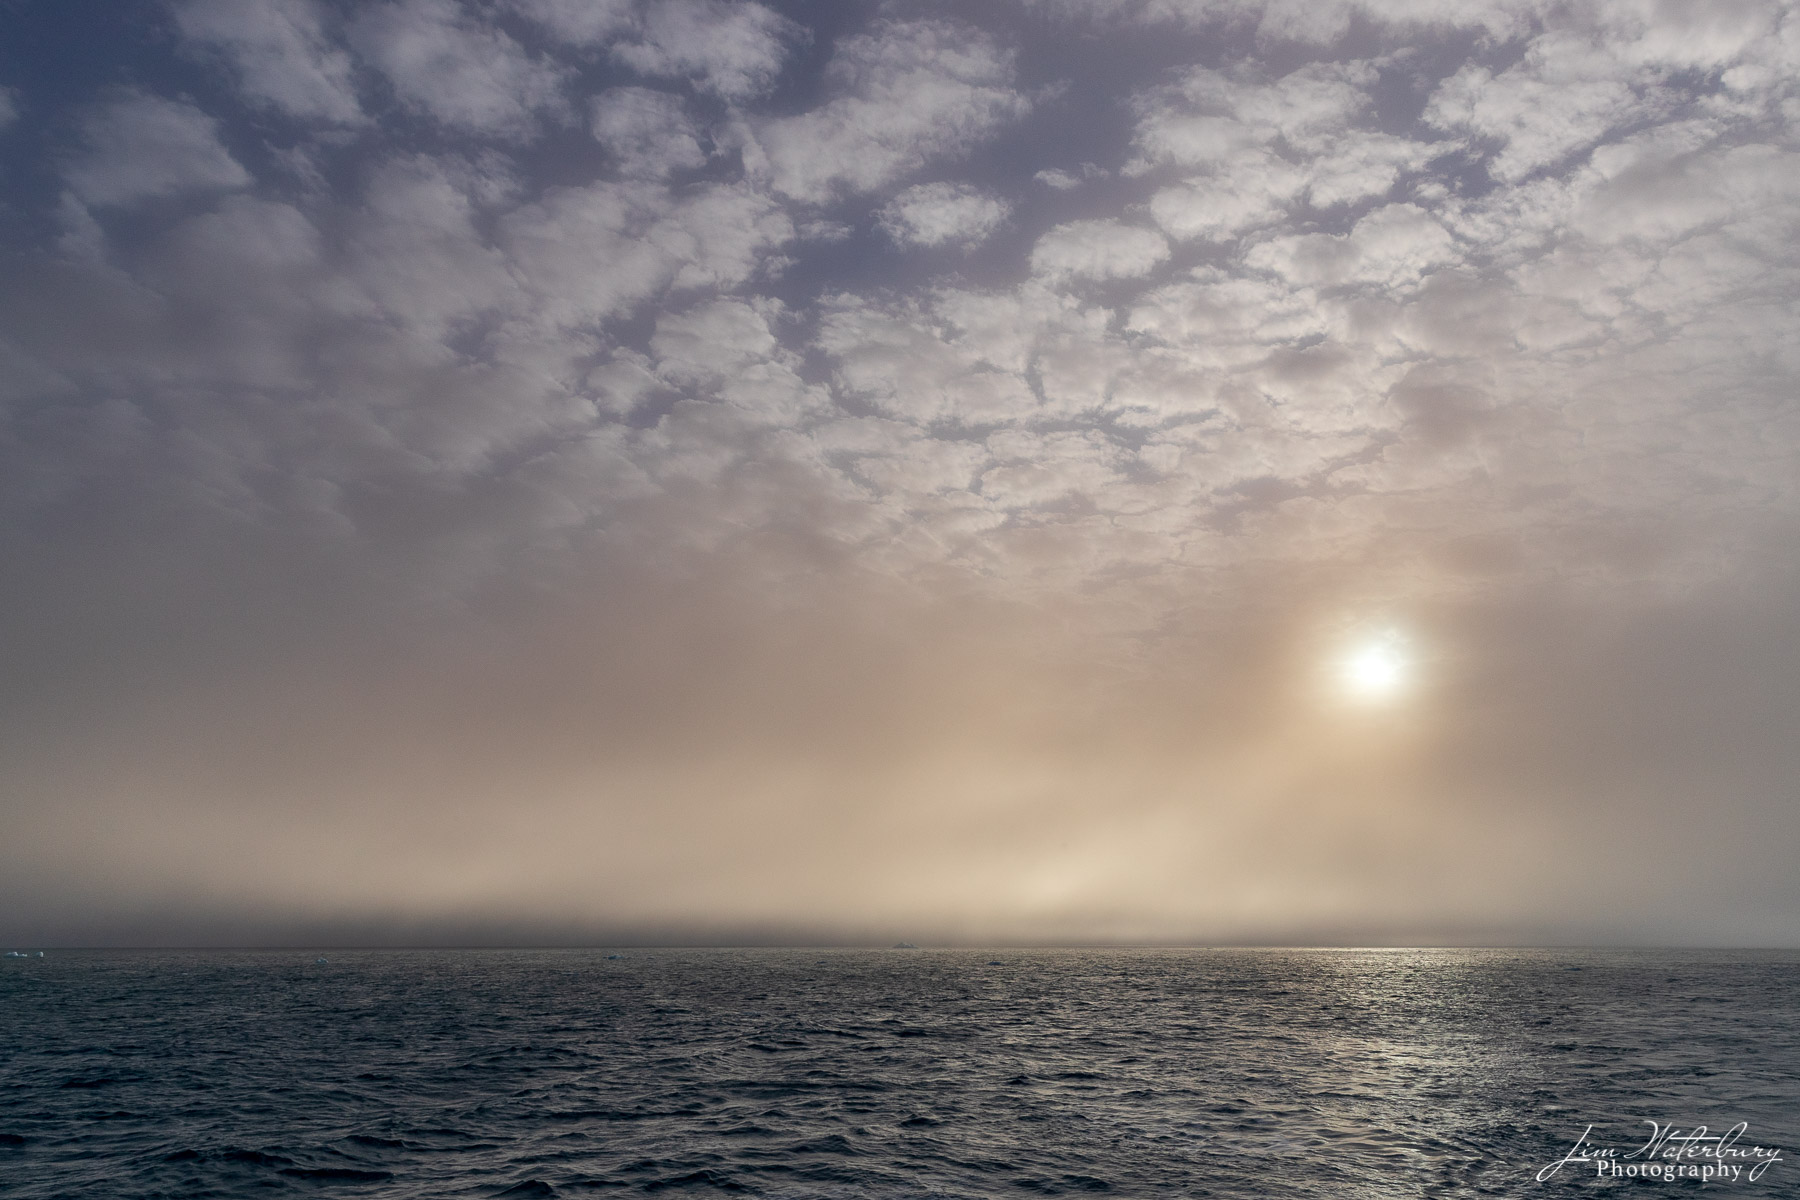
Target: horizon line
(36,948)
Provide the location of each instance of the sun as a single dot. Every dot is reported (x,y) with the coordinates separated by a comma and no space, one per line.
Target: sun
(1376,670)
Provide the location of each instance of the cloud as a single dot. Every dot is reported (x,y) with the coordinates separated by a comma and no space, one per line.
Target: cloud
(1613,65)
(280,53)
(710,342)
(1686,37)
(650,132)
(591,253)
(1390,248)
(1230,320)
(418,254)
(1212,114)
(617,489)
(580,22)
(938,214)
(726,350)
(734,50)
(906,93)
(963,358)
(1364,166)
(442,62)
(1041,469)
(1098,250)
(1250,190)
(9,107)
(1256,148)
(1536,122)
(138,146)
(899,359)
(1317,23)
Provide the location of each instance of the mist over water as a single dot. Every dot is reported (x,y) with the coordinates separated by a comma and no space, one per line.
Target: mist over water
(548,471)
(879,1073)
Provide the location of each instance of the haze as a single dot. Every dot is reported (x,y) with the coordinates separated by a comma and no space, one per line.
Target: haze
(586,472)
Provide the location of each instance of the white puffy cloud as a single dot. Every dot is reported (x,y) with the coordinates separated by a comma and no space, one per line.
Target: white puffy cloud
(937,214)
(726,350)
(1310,22)
(721,235)
(651,132)
(710,342)
(591,253)
(1299,365)
(443,62)
(580,22)
(1255,148)
(1210,115)
(139,145)
(1605,67)
(1537,122)
(1099,249)
(1686,36)
(898,360)
(582,253)
(1036,469)
(417,253)
(1362,165)
(734,49)
(1250,189)
(970,358)
(1065,181)
(246,244)
(906,93)
(913,466)
(1392,247)
(280,53)
(1223,320)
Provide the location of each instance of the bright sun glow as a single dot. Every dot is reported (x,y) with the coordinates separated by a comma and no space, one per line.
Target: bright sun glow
(1376,670)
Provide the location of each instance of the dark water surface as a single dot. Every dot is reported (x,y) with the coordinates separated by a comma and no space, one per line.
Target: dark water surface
(883,1073)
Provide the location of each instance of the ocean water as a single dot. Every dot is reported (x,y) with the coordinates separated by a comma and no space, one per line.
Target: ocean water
(888,1073)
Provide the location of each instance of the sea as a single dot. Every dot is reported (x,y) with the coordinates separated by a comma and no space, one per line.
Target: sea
(902,1073)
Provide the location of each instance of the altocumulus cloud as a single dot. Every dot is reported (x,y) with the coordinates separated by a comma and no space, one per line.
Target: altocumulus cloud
(554,468)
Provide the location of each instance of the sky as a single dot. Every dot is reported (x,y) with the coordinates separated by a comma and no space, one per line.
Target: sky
(1038,471)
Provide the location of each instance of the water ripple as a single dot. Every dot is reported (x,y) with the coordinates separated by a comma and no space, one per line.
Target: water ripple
(877,1074)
